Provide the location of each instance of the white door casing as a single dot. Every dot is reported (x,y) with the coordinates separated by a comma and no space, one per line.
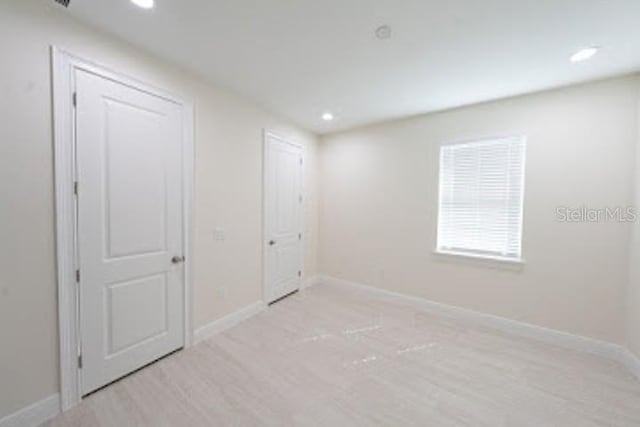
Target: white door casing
(130,257)
(283,239)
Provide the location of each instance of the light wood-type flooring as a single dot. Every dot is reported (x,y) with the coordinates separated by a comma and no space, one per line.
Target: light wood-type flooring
(337,356)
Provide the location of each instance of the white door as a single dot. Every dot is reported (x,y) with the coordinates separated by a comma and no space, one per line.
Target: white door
(283,217)
(130,228)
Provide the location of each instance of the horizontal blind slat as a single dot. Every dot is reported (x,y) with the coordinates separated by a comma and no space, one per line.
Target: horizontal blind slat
(480,206)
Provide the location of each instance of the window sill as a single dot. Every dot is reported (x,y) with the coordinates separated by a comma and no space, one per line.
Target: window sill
(481,260)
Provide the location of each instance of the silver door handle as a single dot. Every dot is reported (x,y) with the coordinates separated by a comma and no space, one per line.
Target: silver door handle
(272,242)
(177,259)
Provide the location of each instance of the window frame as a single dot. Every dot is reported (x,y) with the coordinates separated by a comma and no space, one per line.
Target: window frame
(477,256)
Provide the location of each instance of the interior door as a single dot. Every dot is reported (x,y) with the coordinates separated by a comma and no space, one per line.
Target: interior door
(283,217)
(130,228)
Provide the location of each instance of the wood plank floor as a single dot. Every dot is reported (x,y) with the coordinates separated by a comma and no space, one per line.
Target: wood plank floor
(334,356)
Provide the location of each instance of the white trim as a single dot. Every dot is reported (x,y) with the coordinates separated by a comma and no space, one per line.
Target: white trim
(479,257)
(266,133)
(34,414)
(563,339)
(188,194)
(631,361)
(228,321)
(311,281)
(65,229)
(63,66)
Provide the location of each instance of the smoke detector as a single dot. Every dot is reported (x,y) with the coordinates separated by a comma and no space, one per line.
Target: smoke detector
(383,32)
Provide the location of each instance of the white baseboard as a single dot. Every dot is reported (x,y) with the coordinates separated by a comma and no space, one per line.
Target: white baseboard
(228,321)
(49,407)
(540,333)
(311,281)
(34,414)
(631,361)
(46,409)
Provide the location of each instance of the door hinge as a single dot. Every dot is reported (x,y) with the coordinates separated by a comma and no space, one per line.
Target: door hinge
(80,361)
(300,160)
(299,273)
(78,276)
(75,188)
(299,236)
(75,99)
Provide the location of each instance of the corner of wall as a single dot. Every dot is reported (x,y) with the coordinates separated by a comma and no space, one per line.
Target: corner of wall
(633,286)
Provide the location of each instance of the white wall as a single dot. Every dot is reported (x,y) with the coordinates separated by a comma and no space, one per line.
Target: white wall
(379,204)
(633,297)
(228,189)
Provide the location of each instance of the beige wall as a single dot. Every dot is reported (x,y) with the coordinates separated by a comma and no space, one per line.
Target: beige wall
(379,204)
(377,212)
(633,297)
(228,189)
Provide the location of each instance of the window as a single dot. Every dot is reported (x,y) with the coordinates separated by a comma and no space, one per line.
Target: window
(481,195)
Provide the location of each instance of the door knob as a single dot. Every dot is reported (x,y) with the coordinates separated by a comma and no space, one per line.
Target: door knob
(272,242)
(177,259)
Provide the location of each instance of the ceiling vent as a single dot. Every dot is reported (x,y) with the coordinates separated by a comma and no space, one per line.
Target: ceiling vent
(65,3)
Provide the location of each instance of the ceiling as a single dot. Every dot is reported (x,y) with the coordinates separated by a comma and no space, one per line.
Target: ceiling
(300,58)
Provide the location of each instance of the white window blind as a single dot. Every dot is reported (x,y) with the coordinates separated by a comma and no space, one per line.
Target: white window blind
(481,195)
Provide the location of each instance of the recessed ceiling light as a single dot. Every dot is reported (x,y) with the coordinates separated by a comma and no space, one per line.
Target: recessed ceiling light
(584,54)
(327,117)
(145,4)
(383,32)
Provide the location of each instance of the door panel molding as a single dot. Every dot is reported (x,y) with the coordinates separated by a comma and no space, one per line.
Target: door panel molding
(64,66)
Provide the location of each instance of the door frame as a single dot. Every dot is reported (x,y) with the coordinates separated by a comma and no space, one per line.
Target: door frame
(268,133)
(64,64)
